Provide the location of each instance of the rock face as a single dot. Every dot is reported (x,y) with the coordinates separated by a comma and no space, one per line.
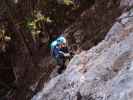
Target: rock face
(105,72)
(93,24)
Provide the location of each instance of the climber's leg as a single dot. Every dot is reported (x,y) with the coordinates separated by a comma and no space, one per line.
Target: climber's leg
(61,63)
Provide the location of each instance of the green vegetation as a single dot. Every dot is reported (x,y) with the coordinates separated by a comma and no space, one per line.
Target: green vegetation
(39,17)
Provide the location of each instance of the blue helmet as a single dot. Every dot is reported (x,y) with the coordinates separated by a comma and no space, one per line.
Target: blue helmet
(58,41)
(61,40)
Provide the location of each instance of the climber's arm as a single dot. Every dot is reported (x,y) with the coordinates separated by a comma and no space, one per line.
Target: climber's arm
(64,54)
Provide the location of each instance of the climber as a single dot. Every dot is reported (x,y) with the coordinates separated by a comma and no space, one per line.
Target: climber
(60,52)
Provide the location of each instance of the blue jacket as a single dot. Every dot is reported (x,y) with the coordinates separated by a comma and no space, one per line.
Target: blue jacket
(55,52)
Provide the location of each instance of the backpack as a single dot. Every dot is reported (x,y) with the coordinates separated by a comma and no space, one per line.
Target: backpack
(53,47)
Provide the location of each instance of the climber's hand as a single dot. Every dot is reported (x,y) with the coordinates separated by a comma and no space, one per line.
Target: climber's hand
(71,53)
(66,54)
